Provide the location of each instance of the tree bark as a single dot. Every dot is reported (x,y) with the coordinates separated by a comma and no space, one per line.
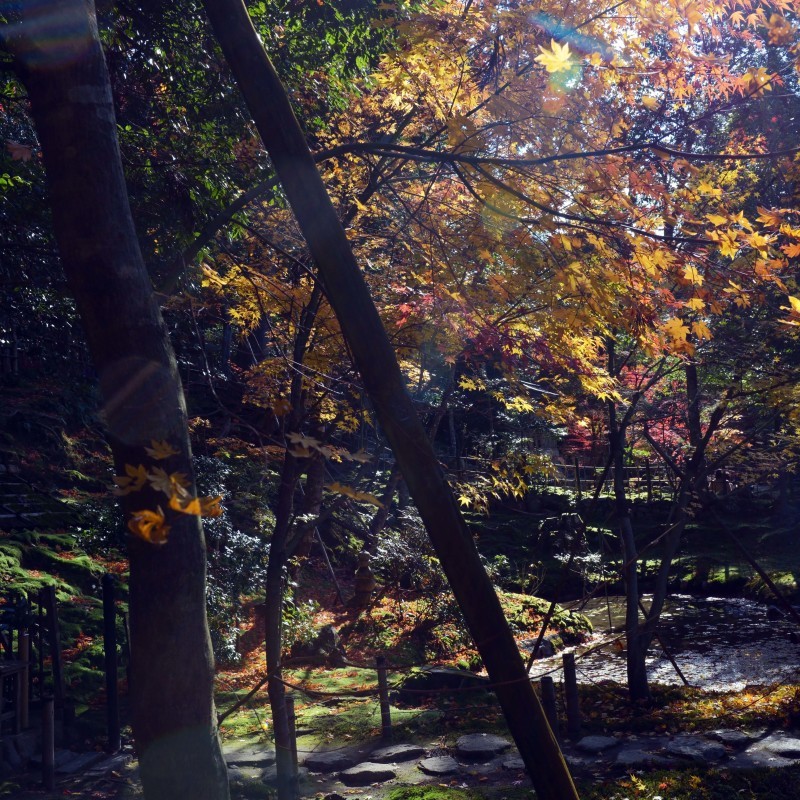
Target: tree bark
(174,722)
(638,688)
(376,361)
(273,636)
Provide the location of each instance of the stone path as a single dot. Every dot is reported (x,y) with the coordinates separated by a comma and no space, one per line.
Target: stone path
(474,759)
(478,758)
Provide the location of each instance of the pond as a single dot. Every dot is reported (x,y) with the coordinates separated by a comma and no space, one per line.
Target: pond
(719,643)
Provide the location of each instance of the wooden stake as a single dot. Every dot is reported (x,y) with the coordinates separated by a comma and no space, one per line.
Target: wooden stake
(292,717)
(383,690)
(54,640)
(548,690)
(48,744)
(571,694)
(24,651)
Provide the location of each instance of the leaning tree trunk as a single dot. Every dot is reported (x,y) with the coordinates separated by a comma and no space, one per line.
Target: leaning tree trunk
(174,722)
(376,361)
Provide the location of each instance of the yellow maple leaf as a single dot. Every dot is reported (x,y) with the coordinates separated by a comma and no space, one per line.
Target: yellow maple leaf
(701,330)
(767,216)
(675,329)
(149,525)
(133,481)
(696,304)
(692,275)
(791,250)
(349,491)
(557,58)
(716,219)
(794,311)
(705,188)
(189,505)
(158,451)
(174,483)
(210,506)
(650,103)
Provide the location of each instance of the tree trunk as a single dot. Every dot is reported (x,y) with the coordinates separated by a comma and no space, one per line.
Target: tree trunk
(636,646)
(376,361)
(174,722)
(273,614)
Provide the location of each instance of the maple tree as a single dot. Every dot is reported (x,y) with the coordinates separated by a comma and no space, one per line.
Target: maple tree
(529,193)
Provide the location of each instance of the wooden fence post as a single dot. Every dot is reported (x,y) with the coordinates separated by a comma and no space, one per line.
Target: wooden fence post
(571,695)
(649,479)
(292,717)
(548,690)
(110,653)
(577,476)
(383,690)
(48,744)
(24,653)
(54,640)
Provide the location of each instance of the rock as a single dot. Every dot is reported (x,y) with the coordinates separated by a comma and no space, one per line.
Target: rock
(27,744)
(439,765)
(732,737)
(397,752)
(270,774)
(367,773)
(597,744)
(244,774)
(698,750)
(247,754)
(636,757)
(78,763)
(780,744)
(551,644)
(429,680)
(330,761)
(109,764)
(481,746)
(752,758)
(513,763)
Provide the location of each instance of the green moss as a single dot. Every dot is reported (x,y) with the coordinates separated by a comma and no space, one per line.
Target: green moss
(785,581)
(432,793)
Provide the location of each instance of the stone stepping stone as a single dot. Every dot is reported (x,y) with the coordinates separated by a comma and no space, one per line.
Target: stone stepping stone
(247,754)
(329,761)
(481,746)
(698,750)
(367,773)
(110,764)
(636,757)
(597,744)
(515,763)
(397,752)
(270,774)
(245,774)
(733,737)
(751,758)
(439,765)
(783,746)
(78,763)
